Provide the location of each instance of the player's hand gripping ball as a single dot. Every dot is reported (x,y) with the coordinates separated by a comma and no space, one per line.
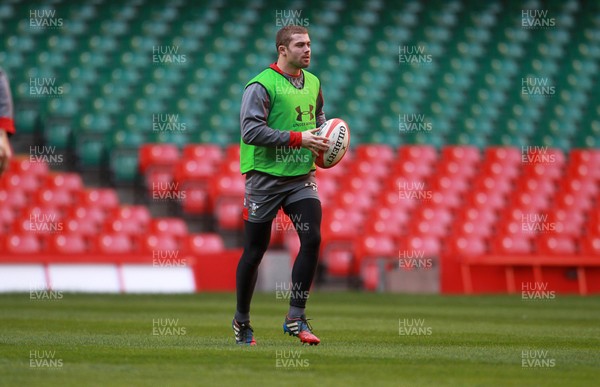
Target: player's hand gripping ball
(338,133)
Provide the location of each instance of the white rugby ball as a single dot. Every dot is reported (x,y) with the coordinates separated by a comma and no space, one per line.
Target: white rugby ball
(338,133)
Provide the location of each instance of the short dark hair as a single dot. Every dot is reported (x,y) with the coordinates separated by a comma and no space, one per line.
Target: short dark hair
(284,35)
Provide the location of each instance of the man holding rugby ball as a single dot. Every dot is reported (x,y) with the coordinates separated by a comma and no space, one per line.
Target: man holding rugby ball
(282,107)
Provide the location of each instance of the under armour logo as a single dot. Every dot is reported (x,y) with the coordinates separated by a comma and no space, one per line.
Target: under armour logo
(310,110)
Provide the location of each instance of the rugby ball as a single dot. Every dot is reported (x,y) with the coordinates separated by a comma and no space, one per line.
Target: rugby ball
(338,133)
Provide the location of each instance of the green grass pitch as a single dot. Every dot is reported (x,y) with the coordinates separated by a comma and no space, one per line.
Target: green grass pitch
(367,340)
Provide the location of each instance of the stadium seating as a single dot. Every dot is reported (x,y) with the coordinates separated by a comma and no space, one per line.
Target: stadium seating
(495,172)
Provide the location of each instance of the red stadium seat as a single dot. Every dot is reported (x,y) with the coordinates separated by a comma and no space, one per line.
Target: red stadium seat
(493,200)
(67,244)
(14,198)
(482,215)
(369,168)
(472,228)
(23,165)
(346,215)
(204,243)
(113,243)
(529,202)
(573,202)
(41,220)
(24,182)
(357,200)
(369,184)
(60,197)
(157,156)
(590,245)
(191,172)
(327,185)
(550,172)
(488,184)
(22,243)
(127,226)
(369,275)
(503,155)
(467,245)
(228,186)
(584,162)
(414,169)
(450,184)
(338,262)
(159,182)
(428,245)
(508,244)
(196,201)
(376,246)
(176,227)
(207,153)
(232,152)
(105,198)
(550,244)
(163,242)
(584,186)
(139,213)
(69,181)
(7,217)
(425,154)
(380,153)
(396,226)
(536,187)
(566,222)
(502,172)
(462,154)
(229,215)
(87,213)
(83,227)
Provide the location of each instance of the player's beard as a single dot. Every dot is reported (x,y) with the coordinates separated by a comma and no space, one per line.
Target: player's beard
(301,63)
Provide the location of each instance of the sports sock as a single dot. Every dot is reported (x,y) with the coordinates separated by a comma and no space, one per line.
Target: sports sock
(295,312)
(242,317)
